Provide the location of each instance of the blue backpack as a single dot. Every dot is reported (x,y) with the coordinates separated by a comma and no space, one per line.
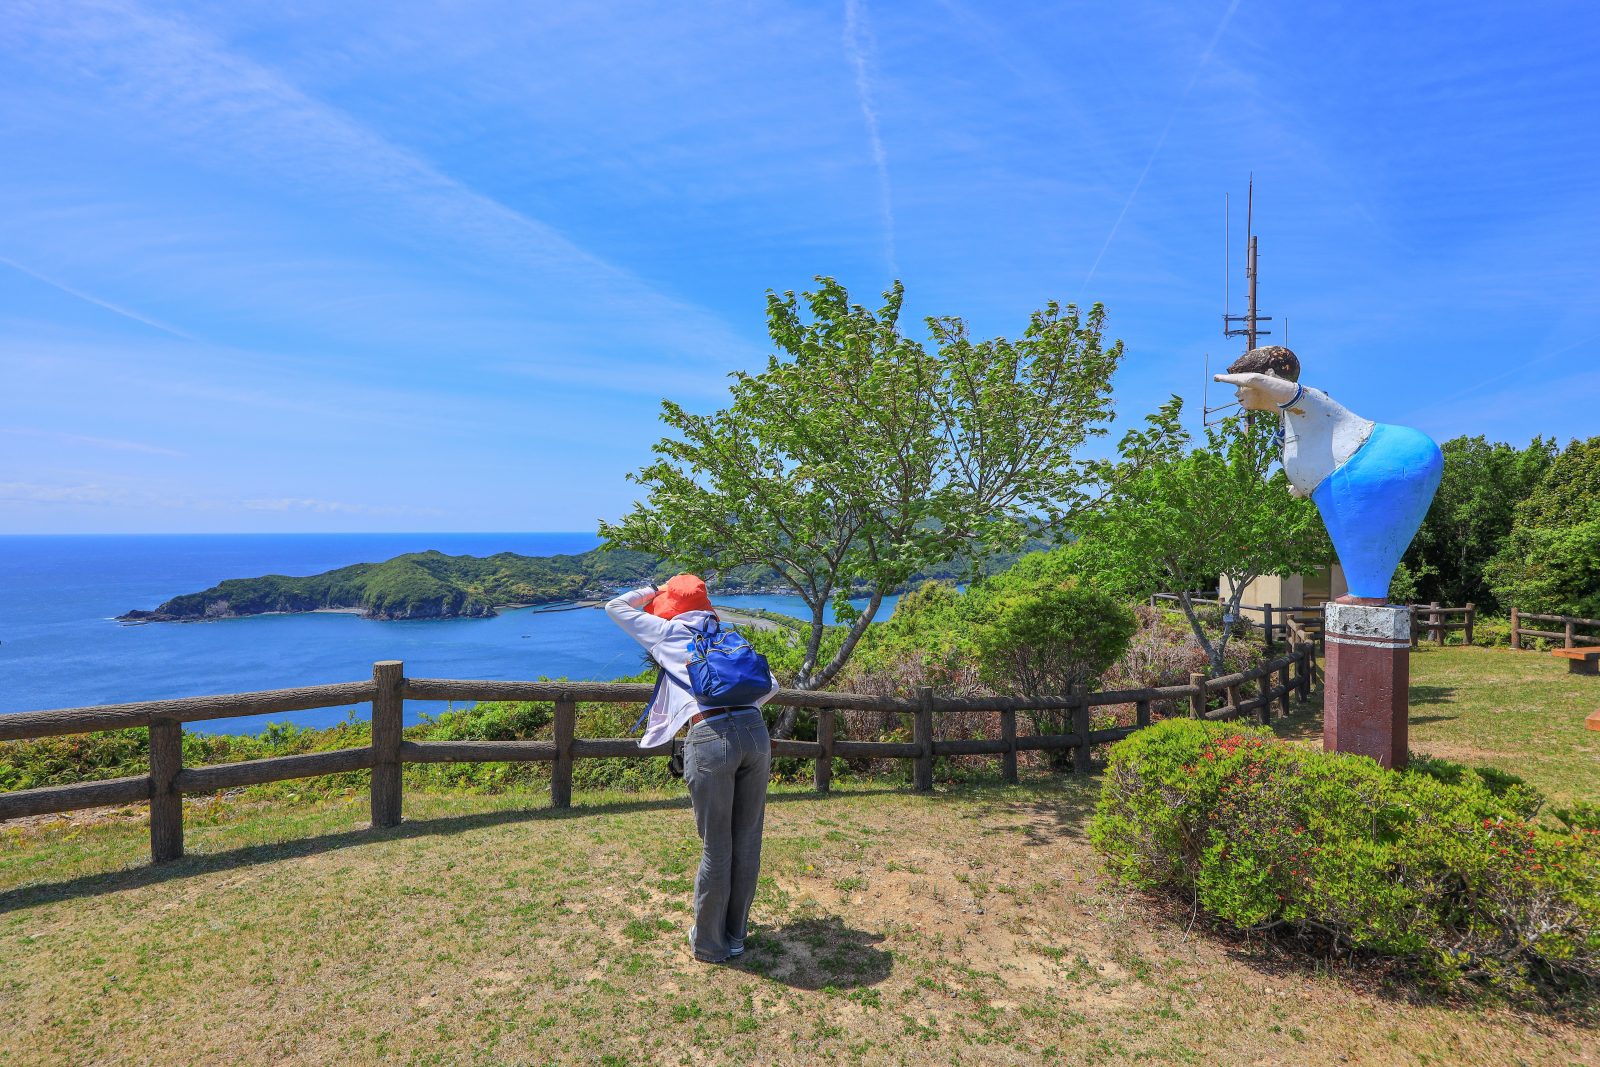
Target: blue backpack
(724,671)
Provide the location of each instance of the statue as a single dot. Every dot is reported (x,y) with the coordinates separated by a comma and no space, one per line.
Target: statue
(1371,481)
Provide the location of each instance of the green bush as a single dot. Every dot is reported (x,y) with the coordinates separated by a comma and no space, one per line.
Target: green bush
(1437,868)
(1045,635)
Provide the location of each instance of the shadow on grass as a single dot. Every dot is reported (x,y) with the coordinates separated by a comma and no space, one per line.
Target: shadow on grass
(196,863)
(816,954)
(1051,806)
(1304,721)
(1433,694)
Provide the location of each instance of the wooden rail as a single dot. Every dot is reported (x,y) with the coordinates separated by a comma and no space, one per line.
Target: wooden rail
(1276,680)
(1309,619)
(1567,635)
(1431,618)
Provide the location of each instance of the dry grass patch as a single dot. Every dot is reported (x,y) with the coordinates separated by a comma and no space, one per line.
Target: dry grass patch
(969,927)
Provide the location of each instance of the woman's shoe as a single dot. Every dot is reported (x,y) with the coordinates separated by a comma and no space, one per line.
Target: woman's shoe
(696,955)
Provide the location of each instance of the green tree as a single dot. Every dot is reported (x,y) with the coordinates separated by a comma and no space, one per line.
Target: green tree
(1550,562)
(1470,519)
(1036,633)
(860,457)
(1194,516)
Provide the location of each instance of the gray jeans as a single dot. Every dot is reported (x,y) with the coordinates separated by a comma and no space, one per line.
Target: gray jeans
(727,760)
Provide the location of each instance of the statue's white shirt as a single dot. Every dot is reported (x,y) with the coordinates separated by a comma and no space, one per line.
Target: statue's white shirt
(1319,436)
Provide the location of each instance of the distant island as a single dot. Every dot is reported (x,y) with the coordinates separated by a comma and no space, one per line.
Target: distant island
(418,585)
(432,585)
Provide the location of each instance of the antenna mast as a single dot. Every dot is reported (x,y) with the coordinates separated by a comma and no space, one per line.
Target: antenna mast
(1248,324)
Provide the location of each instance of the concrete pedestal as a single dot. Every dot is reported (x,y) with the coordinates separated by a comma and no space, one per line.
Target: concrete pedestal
(1368,680)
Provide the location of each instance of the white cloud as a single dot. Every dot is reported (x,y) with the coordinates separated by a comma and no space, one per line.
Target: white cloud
(235,114)
(327,507)
(857,46)
(95,300)
(115,444)
(99,495)
(34,493)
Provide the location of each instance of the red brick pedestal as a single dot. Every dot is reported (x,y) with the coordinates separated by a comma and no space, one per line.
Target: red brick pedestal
(1368,679)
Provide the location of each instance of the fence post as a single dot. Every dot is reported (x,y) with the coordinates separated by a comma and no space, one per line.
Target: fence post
(1283,683)
(1141,713)
(1080,729)
(922,734)
(1306,669)
(388,704)
(1437,620)
(1266,612)
(822,777)
(166,803)
(1233,698)
(1569,641)
(562,729)
(1472,614)
(1197,700)
(1516,633)
(1008,734)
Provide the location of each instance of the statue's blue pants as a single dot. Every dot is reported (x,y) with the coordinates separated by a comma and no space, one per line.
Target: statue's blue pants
(1374,504)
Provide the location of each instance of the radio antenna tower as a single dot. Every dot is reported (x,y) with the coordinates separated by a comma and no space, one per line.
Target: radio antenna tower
(1247,325)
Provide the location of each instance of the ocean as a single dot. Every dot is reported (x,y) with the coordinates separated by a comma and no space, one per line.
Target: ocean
(60,645)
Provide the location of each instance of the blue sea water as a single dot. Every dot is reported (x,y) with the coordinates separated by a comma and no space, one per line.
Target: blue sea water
(60,645)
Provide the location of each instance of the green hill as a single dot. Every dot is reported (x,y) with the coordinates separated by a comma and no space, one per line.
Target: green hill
(417,585)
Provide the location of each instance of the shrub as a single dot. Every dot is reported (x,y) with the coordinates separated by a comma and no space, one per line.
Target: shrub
(1043,637)
(1437,868)
(1047,636)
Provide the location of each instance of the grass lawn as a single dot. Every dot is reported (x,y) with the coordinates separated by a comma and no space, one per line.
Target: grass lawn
(972,926)
(1521,712)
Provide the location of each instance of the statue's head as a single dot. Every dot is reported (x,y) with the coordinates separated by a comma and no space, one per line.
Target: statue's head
(1271,359)
(1264,377)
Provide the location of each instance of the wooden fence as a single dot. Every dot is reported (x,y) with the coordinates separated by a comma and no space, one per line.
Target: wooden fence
(1293,620)
(169,780)
(1567,635)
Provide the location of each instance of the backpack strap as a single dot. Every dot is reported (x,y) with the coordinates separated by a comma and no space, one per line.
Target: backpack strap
(661,676)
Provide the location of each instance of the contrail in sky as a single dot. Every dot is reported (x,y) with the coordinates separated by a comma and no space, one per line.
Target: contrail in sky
(1205,57)
(95,300)
(854,31)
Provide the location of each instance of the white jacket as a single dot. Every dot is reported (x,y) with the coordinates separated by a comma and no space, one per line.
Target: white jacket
(669,643)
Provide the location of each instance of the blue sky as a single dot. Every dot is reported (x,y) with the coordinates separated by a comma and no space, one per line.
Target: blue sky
(412,266)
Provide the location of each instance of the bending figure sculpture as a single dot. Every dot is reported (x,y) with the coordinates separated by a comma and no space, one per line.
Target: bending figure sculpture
(1371,481)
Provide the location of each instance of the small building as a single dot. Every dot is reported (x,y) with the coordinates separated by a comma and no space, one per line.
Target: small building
(1310,590)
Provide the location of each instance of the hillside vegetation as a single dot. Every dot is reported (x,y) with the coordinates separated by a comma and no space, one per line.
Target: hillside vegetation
(432,585)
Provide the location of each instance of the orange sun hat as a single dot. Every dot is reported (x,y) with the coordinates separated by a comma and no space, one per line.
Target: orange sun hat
(681,593)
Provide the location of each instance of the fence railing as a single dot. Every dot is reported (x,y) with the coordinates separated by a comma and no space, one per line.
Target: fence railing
(1434,619)
(1568,634)
(1295,620)
(169,780)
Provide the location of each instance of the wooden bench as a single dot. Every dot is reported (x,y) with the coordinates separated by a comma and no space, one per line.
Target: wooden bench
(1580,660)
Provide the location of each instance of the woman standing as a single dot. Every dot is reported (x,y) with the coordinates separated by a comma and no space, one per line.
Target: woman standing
(727,759)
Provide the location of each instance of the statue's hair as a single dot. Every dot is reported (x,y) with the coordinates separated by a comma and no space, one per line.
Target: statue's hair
(1270,359)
